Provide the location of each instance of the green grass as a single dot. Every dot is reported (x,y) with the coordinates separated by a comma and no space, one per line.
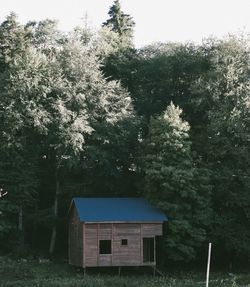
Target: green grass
(27,273)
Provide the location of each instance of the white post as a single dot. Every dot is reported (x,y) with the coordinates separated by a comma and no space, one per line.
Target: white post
(208,262)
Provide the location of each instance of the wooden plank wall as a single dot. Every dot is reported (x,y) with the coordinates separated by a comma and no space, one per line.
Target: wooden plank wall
(122,255)
(105,232)
(131,254)
(152,229)
(75,243)
(91,245)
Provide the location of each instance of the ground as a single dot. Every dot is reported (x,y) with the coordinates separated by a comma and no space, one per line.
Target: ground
(45,273)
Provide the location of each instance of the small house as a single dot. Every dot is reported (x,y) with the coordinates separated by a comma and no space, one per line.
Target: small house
(113,232)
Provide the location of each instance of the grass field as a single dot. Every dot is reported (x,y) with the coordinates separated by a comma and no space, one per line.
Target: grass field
(27,273)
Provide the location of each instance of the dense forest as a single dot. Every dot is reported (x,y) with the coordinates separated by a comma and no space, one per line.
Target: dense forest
(86,113)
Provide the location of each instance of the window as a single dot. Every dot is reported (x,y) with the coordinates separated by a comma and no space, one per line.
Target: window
(105,247)
(124,241)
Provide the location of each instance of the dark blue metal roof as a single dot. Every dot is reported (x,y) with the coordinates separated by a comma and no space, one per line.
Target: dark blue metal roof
(116,209)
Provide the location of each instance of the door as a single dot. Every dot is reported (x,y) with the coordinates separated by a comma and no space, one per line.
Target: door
(148,249)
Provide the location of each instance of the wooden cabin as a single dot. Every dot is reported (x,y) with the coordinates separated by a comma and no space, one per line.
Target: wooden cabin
(113,232)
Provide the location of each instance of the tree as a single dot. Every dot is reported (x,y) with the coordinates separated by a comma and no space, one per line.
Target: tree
(18,168)
(37,107)
(13,39)
(45,36)
(113,122)
(120,23)
(226,88)
(175,183)
(52,100)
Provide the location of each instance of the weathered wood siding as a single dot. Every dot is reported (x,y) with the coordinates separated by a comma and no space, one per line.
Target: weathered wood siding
(91,245)
(75,239)
(122,255)
(152,229)
(127,255)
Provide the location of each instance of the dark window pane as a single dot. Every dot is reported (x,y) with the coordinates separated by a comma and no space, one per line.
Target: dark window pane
(148,250)
(105,246)
(124,241)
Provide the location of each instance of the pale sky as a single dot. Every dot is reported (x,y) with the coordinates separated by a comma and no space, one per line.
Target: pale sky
(156,20)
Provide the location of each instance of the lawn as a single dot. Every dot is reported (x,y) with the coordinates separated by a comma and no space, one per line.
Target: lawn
(44,273)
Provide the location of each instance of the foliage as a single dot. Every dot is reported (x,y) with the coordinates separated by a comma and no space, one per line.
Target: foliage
(172,182)
(18,168)
(227,89)
(68,128)
(158,74)
(54,101)
(120,23)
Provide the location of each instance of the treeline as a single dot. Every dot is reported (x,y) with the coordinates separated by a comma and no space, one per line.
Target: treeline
(88,114)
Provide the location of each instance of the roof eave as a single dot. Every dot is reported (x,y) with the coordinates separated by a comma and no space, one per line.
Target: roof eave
(124,221)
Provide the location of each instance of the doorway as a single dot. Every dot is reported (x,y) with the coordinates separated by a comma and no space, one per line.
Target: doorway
(148,249)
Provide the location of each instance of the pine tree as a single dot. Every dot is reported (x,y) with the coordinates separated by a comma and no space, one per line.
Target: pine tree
(120,23)
(173,182)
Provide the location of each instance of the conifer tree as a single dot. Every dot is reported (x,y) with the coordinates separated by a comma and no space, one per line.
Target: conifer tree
(172,181)
(120,23)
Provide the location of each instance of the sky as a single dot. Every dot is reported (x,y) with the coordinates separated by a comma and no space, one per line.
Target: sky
(156,20)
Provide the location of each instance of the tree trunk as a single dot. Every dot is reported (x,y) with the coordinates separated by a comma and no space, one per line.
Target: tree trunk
(20,219)
(34,230)
(53,235)
(20,227)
